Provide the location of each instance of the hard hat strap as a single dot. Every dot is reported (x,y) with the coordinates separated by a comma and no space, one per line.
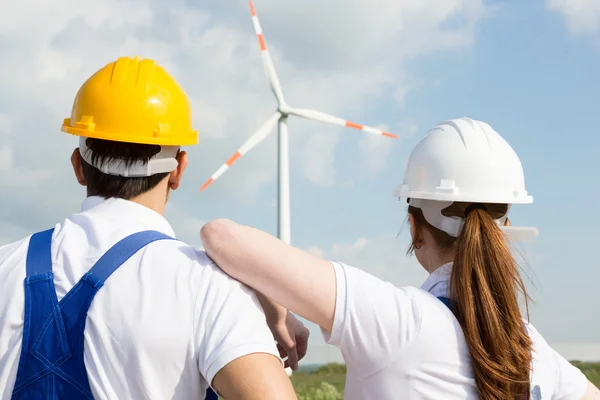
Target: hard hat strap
(162,162)
(432,212)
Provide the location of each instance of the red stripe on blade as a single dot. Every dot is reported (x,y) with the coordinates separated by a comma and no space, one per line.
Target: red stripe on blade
(233,159)
(353,125)
(261,40)
(208,182)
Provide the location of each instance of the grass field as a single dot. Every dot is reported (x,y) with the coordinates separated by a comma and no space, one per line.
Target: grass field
(591,370)
(327,382)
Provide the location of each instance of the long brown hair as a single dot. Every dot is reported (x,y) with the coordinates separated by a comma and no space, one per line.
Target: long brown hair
(485,285)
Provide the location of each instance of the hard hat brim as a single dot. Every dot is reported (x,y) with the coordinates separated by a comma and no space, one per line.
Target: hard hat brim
(454,197)
(180,140)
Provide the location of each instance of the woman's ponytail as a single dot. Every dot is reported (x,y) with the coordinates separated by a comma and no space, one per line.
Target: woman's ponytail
(484,288)
(485,285)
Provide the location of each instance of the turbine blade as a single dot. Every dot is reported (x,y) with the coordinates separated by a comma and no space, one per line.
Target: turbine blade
(255,139)
(267,61)
(330,119)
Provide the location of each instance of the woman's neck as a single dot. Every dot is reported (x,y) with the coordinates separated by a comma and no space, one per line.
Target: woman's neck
(439,262)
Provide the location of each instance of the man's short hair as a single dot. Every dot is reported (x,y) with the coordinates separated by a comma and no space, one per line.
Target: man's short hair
(107,186)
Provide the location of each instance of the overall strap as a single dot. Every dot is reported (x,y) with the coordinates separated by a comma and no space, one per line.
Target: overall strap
(39,256)
(52,363)
(211,395)
(120,253)
(446,301)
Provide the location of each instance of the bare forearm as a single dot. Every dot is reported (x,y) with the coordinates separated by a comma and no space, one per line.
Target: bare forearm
(592,392)
(294,279)
(273,312)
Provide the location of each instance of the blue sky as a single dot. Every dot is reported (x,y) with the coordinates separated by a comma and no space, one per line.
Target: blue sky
(527,68)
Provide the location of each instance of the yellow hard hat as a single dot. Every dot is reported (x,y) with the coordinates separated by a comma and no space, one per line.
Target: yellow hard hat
(135,101)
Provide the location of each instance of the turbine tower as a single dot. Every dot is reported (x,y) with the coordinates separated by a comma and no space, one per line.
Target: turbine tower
(280,117)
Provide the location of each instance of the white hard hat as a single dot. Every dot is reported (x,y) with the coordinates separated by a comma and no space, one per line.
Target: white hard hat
(467,161)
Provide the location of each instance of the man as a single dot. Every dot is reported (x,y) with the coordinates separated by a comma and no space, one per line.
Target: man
(107,305)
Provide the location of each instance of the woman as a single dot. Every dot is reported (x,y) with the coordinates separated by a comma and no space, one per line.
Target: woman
(459,336)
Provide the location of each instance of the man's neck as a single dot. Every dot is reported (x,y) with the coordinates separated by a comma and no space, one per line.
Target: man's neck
(154,199)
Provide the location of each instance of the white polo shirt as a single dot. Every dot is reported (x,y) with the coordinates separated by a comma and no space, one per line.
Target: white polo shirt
(163,324)
(404,343)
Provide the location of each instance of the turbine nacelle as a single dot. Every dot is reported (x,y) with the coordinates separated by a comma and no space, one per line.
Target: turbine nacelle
(284,109)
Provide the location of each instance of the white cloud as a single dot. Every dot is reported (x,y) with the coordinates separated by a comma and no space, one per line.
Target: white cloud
(339,58)
(6,155)
(376,151)
(5,124)
(317,154)
(582,16)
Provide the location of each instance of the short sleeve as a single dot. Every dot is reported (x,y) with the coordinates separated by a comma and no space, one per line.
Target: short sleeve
(568,381)
(229,323)
(373,322)
(571,383)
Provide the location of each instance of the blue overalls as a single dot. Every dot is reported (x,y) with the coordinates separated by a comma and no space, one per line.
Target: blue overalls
(51,366)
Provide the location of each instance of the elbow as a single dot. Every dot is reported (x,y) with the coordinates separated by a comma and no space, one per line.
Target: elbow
(214,234)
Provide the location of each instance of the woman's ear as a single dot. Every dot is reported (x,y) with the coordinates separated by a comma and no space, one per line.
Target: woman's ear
(411,222)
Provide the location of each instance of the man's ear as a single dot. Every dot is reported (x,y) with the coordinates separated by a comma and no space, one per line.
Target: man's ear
(78,167)
(175,177)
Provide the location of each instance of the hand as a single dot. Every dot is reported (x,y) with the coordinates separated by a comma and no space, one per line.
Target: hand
(292,339)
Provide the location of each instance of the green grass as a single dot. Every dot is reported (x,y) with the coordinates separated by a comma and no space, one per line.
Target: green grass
(326,382)
(336,376)
(591,370)
(322,383)
(307,382)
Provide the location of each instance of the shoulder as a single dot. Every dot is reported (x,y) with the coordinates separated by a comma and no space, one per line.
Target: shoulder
(375,321)
(539,343)
(352,281)
(15,250)
(181,252)
(365,302)
(201,269)
(176,253)
(543,353)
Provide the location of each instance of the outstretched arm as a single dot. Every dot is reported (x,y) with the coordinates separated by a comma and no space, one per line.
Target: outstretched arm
(298,281)
(592,393)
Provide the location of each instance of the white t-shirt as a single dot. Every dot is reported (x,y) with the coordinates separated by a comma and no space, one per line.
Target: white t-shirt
(163,324)
(404,343)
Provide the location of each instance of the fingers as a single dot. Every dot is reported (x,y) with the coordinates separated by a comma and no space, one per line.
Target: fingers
(282,352)
(302,344)
(289,354)
(292,360)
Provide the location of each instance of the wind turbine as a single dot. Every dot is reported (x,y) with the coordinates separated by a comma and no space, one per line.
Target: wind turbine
(280,117)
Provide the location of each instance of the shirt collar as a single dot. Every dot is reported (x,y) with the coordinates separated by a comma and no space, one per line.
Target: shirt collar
(438,282)
(128,212)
